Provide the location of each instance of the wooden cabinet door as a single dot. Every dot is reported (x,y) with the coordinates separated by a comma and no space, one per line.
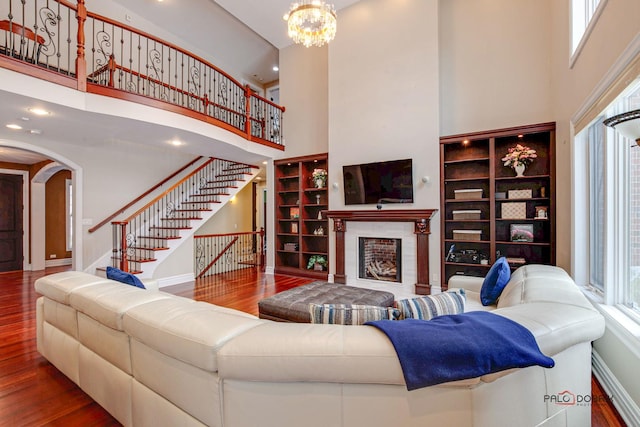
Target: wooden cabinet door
(10,222)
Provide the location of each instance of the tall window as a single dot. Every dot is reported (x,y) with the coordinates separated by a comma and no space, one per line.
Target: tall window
(614,207)
(582,13)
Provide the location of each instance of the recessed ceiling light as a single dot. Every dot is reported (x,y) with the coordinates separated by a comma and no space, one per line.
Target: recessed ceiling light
(264,163)
(176,142)
(36,131)
(275,68)
(14,126)
(39,111)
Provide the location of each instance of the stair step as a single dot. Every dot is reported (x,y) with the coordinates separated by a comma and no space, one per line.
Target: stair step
(157,227)
(195,202)
(149,248)
(218,187)
(134,259)
(218,181)
(238,172)
(193,210)
(104,269)
(160,238)
(192,218)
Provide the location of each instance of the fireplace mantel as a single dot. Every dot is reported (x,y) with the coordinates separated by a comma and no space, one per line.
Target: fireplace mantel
(421,219)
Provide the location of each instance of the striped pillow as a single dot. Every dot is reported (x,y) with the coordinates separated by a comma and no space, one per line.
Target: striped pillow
(350,314)
(430,306)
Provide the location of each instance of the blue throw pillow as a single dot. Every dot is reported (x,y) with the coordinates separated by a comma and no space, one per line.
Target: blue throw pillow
(123,277)
(496,280)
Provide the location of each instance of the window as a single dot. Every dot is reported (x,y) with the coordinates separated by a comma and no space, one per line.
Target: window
(614,206)
(584,14)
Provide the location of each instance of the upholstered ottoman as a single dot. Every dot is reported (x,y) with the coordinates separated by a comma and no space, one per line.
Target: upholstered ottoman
(293,305)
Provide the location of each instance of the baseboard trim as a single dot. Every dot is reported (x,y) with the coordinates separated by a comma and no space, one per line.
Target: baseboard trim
(269,270)
(628,409)
(175,280)
(58,262)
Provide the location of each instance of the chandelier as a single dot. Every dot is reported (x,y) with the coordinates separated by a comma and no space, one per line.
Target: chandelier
(311,23)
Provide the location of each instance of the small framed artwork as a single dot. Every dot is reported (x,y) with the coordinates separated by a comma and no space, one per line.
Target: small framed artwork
(294,227)
(521,232)
(541,212)
(294,213)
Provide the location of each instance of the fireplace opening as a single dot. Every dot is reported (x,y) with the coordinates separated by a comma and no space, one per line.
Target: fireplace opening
(380,259)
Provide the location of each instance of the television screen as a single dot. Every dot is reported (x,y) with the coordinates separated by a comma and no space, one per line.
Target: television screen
(377,183)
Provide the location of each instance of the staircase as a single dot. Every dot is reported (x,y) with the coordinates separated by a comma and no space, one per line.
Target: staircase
(148,237)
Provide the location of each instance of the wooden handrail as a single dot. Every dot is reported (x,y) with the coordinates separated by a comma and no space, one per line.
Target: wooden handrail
(156,39)
(265,100)
(242,233)
(142,196)
(169,190)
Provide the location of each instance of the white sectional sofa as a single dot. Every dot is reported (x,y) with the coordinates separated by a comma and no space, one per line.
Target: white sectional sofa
(154,359)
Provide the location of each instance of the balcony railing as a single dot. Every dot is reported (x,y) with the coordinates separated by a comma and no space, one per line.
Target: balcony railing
(64,43)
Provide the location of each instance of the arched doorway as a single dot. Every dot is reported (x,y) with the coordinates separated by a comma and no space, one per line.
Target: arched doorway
(35,234)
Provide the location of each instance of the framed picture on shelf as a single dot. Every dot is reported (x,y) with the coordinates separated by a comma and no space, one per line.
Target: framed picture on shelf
(542,212)
(294,213)
(294,227)
(521,232)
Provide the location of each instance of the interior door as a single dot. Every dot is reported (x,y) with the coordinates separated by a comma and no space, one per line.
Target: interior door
(10,222)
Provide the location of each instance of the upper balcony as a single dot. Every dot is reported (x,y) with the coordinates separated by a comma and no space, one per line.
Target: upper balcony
(64,43)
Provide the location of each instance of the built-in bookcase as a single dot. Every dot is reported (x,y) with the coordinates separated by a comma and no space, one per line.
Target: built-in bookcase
(486,210)
(300,230)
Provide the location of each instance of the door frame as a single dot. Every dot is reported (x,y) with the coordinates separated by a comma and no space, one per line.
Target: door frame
(26,240)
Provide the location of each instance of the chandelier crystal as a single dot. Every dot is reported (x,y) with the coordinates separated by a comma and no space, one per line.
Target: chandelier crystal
(311,23)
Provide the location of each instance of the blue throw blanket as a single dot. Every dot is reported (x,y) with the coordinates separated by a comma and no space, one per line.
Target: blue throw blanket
(460,346)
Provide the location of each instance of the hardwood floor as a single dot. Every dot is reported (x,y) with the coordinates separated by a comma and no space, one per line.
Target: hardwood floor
(34,393)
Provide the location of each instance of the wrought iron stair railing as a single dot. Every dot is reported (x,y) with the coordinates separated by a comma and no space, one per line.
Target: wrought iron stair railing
(138,239)
(63,42)
(222,253)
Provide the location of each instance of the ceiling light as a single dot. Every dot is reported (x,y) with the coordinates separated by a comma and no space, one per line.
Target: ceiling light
(14,126)
(176,142)
(627,124)
(35,131)
(311,22)
(275,68)
(39,111)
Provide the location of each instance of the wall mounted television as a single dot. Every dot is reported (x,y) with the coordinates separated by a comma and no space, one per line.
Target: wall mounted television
(378,183)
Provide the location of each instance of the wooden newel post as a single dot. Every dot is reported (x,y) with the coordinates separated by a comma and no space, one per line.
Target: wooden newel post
(124,265)
(247,100)
(112,69)
(261,249)
(81,61)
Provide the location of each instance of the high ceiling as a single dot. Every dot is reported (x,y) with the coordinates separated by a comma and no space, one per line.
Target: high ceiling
(207,26)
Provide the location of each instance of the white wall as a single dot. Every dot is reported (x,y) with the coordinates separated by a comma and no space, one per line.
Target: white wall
(234,217)
(494,64)
(304,72)
(383,98)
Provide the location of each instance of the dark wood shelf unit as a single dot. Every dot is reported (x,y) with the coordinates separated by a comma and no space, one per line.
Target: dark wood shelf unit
(473,161)
(296,194)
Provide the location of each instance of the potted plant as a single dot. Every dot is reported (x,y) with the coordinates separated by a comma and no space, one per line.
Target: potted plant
(317,262)
(319,177)
(518,157)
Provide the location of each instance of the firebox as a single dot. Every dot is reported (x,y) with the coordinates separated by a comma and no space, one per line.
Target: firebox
(380,259)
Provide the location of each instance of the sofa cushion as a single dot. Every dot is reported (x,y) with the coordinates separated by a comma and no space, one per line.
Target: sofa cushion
(495,281)
(123,277)
(107,302)
(189,331)
(59,286)
(350,314)
(429,306)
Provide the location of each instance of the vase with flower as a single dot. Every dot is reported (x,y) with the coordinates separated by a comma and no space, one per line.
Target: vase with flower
(319,177)
(518,158)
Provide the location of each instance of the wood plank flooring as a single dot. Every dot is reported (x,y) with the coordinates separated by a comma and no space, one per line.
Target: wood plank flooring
(34,393)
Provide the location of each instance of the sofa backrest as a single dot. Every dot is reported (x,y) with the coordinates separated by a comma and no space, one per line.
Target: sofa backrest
(541,283)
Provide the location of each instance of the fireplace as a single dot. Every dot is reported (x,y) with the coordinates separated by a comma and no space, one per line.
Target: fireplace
(380,259)
(416,261)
